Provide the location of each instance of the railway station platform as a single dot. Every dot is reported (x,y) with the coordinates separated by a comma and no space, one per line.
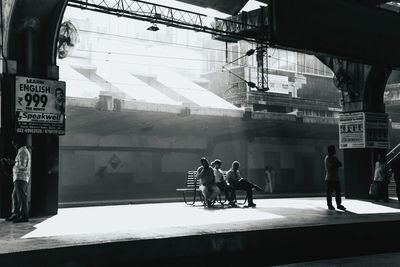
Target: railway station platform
(277,231)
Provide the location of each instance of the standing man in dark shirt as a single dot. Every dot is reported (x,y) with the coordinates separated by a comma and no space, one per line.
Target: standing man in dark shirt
(332,165)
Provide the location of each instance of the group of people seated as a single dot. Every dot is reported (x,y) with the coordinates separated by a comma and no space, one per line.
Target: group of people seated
(212,182)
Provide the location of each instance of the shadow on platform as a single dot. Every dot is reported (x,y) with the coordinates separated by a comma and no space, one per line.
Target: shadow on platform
(277,231)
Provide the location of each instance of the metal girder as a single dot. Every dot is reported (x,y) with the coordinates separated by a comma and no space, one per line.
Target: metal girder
(231,7)
(174,17)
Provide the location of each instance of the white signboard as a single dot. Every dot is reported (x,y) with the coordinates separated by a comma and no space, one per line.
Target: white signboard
(377,125)
(39,106)
(364,130)
(352,130)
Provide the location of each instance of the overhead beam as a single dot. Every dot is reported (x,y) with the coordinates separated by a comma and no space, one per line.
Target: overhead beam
(173,17)
(340,28)
(231,7)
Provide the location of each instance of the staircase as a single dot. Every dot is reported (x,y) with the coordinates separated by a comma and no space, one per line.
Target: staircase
(392,155)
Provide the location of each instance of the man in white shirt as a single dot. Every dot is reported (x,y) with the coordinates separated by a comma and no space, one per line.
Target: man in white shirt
(221,183)
(239,183)
(21,177)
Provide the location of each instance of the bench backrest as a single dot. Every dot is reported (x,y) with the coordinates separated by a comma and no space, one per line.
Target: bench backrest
(191,181)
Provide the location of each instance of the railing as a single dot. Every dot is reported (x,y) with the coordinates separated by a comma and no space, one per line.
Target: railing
(393,154)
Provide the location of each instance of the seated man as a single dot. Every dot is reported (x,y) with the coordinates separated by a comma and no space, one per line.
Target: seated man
(208,187)
(239,183)
(221,183)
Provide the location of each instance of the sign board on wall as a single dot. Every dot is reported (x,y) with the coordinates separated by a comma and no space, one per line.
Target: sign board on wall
(352,130)
(39,106)
(364,130)
(377,126)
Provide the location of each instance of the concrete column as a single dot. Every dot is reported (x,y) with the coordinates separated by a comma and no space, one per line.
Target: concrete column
(30,43)
(362,89)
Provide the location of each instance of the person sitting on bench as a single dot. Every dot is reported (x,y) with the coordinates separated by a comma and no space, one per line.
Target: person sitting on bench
(222,184)
(239,183)
(208,187)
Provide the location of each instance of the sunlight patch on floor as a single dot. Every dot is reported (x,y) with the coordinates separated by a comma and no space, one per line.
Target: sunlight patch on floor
(108,219)
(140,218)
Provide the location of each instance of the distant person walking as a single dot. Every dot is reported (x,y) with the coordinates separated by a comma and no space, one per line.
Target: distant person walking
(239,183)
(208,187)
(332,165)
(269,175)
(396,175)
(21,177)
(381,179)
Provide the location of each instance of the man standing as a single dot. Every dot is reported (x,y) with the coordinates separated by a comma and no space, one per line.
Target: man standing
(332,165)
(208,186)
(21,176)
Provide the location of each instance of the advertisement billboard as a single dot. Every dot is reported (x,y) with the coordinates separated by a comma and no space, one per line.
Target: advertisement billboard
(39,106)
(364,130)
(352,130)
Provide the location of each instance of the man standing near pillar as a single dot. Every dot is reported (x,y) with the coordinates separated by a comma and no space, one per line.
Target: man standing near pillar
(332,165)
(21,176)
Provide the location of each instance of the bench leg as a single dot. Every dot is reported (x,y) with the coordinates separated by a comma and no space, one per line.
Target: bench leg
(236,200)
(220,199)
(194,198)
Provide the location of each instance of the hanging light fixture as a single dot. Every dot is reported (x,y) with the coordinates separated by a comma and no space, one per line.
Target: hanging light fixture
(153,28)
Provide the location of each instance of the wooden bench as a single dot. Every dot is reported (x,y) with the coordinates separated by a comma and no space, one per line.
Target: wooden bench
(192,187)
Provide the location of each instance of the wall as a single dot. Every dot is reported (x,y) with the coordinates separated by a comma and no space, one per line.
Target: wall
(135,165)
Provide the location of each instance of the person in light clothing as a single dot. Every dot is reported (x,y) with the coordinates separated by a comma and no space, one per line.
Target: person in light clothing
(381,179)
(21,177)
(208,187)
(221,183)
(268,173)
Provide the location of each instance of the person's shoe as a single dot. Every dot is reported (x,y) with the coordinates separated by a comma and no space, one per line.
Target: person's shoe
(12,217)
(331,207)
(341,207)
(251,205)
(21,219)
(232,204)
(209,204)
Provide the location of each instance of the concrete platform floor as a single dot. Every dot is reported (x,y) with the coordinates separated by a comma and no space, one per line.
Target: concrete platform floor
(197,231)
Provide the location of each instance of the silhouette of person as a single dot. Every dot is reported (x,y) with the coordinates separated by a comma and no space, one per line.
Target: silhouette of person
(332,165)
